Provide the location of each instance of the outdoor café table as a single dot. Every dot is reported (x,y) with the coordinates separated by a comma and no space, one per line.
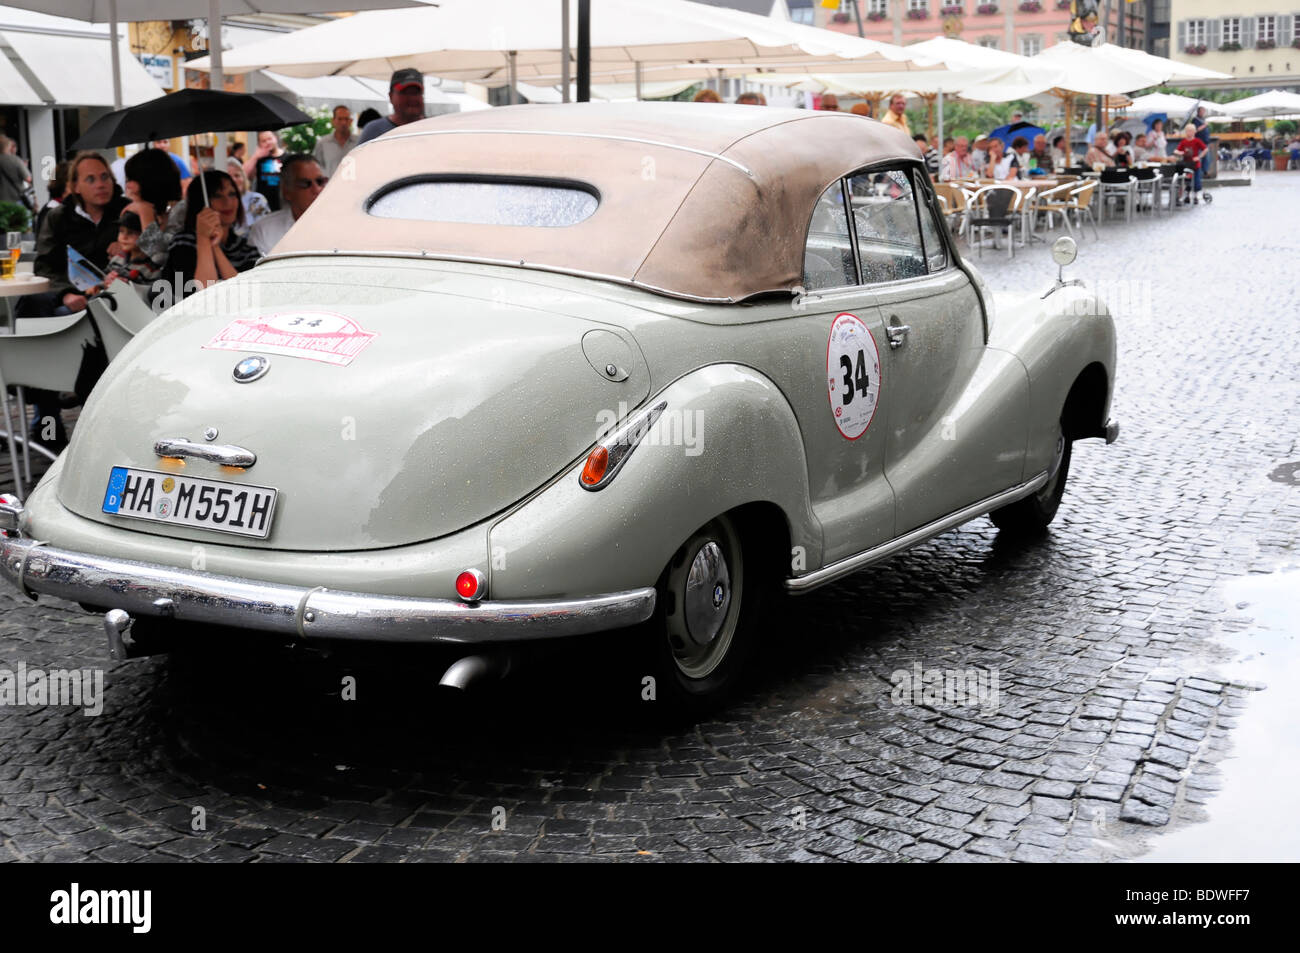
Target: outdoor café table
(11,289)
(17,286)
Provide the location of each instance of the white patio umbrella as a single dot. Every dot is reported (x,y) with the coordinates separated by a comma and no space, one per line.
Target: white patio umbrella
(1267,105)
(114,12)
(522,40)
(1169,103)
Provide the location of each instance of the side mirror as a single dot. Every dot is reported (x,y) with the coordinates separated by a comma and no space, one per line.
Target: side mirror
(1064,251)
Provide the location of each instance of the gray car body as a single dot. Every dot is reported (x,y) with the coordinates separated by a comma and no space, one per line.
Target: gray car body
(457,437)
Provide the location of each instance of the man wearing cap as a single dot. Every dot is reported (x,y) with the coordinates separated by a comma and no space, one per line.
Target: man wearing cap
(406,93)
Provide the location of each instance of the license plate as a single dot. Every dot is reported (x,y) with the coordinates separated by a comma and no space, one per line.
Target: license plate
(190,501)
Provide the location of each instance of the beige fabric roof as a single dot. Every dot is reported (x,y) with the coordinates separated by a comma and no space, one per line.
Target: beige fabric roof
(702,201)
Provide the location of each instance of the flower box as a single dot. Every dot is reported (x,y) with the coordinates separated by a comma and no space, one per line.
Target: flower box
(1266,45)
(1062,4)
(987,9)
(1230,47)
(839,18)
(953,9)
(875,16)
(1296,42)
(921,14)
(1030,6)
(1196,50)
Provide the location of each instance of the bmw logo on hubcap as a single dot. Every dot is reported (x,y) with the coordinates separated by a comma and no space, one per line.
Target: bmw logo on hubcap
(251,368)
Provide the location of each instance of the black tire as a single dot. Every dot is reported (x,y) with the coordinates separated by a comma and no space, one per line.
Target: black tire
(707,622)
(1034,513)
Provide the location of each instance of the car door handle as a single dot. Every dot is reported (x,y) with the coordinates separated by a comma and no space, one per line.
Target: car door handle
(897,334)
(227,456)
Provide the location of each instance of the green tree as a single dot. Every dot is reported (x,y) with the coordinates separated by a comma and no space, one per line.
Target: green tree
(303,137)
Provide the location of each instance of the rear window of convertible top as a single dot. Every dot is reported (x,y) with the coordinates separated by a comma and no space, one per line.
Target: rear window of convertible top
(482,200)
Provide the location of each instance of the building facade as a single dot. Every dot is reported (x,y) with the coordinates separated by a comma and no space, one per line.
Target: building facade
(1017,26)
(1256,41)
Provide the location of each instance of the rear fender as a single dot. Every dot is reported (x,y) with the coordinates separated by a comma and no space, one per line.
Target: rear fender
(727,438)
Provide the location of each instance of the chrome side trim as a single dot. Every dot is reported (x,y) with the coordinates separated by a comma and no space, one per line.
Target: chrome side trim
(146,589)
(226,455)
(850,564)
(575,135)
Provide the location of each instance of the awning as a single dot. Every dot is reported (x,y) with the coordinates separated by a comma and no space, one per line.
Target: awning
(77,70)
(14,89)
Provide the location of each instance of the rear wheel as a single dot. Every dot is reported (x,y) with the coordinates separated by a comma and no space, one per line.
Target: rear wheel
(1035,512)
(707,613)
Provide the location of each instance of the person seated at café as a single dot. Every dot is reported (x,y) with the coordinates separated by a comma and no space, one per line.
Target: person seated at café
(130,262)
(1000,167)
(301,181)
(1061,158)
(948,145)
(208,249)
(861,109)
(957,164)
(1097,153)
(1143,150)
(1122,150)
(153,184)
(254,203)
(1042,155)
(928,155)
(1024,158)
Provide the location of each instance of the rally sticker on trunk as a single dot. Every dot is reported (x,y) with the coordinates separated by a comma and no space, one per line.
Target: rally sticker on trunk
(315,335)
(852,375)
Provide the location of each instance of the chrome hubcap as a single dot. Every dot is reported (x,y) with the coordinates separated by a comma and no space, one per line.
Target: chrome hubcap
(708,595)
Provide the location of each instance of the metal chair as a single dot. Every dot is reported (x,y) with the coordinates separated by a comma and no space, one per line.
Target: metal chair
(1146,182)
(44,353)
(997,207)
(1117,185)
(119,314)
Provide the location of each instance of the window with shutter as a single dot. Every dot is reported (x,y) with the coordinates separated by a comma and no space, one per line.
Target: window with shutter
(1214,41)
(1247,32)
(1285,29)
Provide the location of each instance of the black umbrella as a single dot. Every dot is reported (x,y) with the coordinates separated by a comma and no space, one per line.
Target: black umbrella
(188,112)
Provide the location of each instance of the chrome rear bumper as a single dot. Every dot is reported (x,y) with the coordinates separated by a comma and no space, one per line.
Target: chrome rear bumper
(146,589)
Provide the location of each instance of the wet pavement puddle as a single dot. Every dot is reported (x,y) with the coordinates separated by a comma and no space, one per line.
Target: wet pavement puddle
(1253,817)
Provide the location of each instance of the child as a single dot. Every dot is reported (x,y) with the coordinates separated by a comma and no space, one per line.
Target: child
(132,264)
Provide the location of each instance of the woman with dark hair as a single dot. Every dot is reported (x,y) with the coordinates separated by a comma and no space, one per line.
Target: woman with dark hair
(58,192)
(208,248)
(153,184)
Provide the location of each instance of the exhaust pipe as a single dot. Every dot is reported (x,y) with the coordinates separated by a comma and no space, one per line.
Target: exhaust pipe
(121,645)
(475,670)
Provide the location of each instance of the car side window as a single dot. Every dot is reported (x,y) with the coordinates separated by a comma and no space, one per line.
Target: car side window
(828,254)
(936,255)
(888,233)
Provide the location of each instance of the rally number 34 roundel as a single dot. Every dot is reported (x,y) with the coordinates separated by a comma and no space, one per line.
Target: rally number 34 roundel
(852,375)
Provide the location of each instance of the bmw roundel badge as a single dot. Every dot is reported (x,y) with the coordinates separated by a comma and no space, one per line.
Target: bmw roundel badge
(251,368)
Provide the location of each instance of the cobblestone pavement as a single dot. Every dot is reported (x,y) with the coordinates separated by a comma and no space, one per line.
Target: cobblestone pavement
(1112,719)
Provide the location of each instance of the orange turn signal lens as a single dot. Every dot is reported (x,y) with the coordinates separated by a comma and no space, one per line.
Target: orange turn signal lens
(594,469)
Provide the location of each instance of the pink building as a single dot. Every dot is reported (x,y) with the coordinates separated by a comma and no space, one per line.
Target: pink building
(1018,26)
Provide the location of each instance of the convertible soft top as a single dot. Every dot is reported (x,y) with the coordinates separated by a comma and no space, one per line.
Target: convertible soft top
(703,201)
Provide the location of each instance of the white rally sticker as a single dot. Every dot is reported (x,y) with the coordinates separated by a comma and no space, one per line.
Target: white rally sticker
(852,375)
(315,335)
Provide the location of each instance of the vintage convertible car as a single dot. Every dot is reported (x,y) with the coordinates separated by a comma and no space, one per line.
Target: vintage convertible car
(554,370)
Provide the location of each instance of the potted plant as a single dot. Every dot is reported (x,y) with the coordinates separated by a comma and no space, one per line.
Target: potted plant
(1266,45)
(1230,47)
(918,13)
(1030,6)
(987,9)
(14,217)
